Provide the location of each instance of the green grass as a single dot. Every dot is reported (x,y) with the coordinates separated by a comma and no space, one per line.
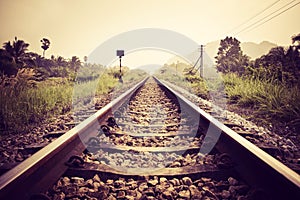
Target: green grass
(197,86)
(270,100)
(31,105)
(24,102)
(130,78)
(21,105)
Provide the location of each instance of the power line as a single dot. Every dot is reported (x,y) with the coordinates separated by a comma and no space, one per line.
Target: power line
(245,22)
(274,16)
(253,24)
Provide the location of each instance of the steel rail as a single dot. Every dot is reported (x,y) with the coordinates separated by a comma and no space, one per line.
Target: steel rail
(254,164)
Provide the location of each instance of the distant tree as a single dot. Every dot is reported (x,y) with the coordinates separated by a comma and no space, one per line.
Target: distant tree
(45,45)
(60,61)
(272,63)
(291,66)
(75,63)
(32,60)
(296,41)
(230,57)
(16,51)
(280,64)
(6,66)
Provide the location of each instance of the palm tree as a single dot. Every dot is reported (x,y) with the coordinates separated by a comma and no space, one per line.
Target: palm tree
(60,61)
(16,50)
(45,45)
(75,63)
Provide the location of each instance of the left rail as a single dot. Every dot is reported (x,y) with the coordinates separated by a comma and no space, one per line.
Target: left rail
(43,168)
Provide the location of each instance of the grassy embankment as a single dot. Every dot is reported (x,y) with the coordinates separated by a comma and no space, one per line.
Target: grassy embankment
(268,101)
(25,102)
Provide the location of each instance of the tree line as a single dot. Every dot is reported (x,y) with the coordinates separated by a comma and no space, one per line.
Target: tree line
(280,64)
(14,56)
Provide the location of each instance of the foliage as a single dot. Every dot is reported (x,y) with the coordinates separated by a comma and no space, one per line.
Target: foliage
(134,76)
(7,67)
(25,101)
(115,71)
(45,45)
(268,85)
(296,41)
(230,57)
(34,88)
(13,56)
(189,80)
(270,100)
(280,64)
(75,63)
(197,83)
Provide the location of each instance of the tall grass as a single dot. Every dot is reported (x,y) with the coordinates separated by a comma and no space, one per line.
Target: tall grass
(25,102)
(31,105)
(270,100)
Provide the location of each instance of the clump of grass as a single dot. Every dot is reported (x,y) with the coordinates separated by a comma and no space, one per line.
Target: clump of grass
(105,84)
(280,103)
(270,101)
(200,89)
(245,91)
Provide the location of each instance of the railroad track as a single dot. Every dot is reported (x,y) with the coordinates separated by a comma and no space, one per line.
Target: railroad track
(150,143)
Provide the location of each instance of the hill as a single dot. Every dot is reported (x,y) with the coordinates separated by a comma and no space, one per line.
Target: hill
(253,50)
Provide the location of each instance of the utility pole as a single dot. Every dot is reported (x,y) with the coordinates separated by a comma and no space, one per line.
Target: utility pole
(201,62)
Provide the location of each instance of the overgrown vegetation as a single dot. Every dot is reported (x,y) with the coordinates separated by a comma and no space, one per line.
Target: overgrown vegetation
(268,86)
(34,88)
(269,100)
(181,74)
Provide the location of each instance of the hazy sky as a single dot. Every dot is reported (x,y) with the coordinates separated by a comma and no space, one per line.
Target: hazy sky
(77,27)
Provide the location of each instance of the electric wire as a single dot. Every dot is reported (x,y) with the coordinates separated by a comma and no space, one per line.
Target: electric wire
(245,22)
(273,17)
(253,24)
